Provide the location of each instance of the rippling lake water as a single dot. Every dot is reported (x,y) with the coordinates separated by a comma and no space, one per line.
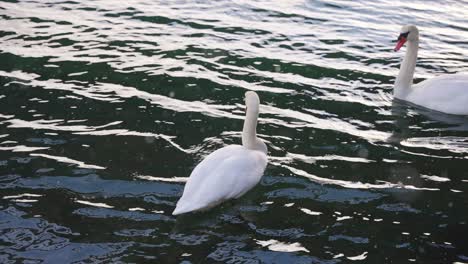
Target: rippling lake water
(107,106)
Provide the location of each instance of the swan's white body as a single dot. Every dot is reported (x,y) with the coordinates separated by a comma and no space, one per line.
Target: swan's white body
(229,172)
(446,93)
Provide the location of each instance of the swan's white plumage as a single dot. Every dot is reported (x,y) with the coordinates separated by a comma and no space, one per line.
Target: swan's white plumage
(225,174)
(228,172)
(446,93)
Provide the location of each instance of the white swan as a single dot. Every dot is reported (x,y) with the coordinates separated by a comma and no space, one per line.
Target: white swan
(446,93)
(228,172)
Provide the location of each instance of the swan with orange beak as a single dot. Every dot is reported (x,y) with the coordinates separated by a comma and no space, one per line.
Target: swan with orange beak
(445,93)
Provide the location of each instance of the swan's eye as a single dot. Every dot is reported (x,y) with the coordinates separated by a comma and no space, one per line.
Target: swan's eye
(403,35)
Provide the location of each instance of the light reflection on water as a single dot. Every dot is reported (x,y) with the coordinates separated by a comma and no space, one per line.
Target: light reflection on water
(106,107)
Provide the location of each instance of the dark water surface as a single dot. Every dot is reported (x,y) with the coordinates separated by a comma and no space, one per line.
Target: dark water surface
(106,106)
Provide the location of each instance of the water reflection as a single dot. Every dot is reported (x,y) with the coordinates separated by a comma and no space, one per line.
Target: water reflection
(106,107)
(409,124)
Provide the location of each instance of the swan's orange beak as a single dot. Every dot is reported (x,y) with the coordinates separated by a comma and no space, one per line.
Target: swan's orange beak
(400,43)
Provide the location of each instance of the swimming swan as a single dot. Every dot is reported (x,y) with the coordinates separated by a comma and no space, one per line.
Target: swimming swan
(228,172)
(446,93)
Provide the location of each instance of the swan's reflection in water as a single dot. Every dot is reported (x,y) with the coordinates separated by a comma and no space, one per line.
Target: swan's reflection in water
(412,120)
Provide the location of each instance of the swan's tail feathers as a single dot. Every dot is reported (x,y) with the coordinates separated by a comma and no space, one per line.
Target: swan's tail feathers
(182,208)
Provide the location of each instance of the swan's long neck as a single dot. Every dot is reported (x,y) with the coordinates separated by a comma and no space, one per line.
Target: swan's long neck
(249,132)
(405,77)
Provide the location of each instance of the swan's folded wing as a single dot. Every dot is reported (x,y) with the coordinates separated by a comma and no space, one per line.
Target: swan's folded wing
(445,93)
(226,173)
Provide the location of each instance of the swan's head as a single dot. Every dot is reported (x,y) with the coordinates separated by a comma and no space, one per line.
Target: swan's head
(252,102)
(407,33)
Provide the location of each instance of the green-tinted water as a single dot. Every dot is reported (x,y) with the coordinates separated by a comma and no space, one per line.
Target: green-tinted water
(106,106)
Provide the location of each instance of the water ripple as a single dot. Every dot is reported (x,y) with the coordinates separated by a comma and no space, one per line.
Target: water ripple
(107,106)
